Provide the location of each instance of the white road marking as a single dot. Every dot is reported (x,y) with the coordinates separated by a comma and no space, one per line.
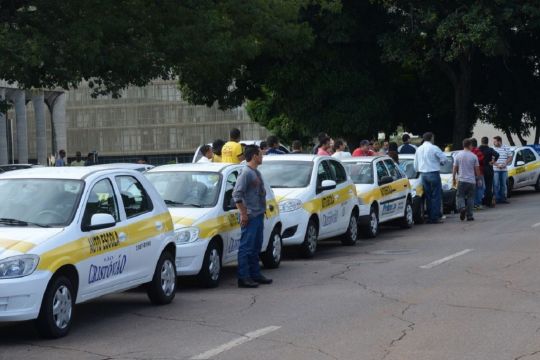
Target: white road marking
(445,259)
(239,341)
(535,225)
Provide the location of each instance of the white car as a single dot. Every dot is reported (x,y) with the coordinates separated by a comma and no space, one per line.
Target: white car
(317,199)
(448,200)
(206,220)
(131,166)
(383,191)
(71,234)
(524,170)
(406,164)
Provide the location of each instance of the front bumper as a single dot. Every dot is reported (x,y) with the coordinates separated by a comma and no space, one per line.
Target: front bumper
(20,298)
(294,226)
(190,257)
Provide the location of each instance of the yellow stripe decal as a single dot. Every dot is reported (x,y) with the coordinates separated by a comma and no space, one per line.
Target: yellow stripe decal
(17,245)
(329,201)
(104,242)
(525,168)
(385,190)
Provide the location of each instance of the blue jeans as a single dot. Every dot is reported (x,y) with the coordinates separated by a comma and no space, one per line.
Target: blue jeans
(250,247)
(499,185)
(431,181)
(480,190)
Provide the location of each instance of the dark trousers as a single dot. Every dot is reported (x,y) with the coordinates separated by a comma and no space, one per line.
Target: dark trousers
(250,247)
(488,180)
(465,197)
(431,181)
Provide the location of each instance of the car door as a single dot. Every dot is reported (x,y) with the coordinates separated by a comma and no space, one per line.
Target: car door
(107,265)
(142,232)
(231,232)
(520,172)
(345,195)
(329,213)
(531,167)
(400,187)
(386,206)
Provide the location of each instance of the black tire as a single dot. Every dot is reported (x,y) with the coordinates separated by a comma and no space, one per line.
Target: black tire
(537,185)
(59,294)
(419,210)
(309,246)
(351,236)
(271,257)
(372,229)
(509,188)
(407,221)
(210,273)
(162,289)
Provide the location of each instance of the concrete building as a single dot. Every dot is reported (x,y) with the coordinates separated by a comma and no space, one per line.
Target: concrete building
(152,121)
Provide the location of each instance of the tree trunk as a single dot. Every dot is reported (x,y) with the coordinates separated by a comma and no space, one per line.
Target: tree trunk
(537,132)
(509,137)
(521,139)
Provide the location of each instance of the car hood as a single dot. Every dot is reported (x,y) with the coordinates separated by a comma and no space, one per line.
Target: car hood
(286,193)
(183,217)
(16,240)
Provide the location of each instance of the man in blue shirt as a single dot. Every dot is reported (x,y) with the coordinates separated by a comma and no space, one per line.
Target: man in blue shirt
(273,146)
(406,148)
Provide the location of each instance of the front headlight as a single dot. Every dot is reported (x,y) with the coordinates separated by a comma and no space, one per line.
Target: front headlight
(186,235)
(290,205)
(18,266)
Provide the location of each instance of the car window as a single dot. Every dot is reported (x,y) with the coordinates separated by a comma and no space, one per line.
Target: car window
(101,200)
(287,174)
(407,165)
(519,156)
(381,170)
(338,172)
(229,187)
(136,200)
(528,155)
(361,173)
(448,166)
(323,173)
(392,169)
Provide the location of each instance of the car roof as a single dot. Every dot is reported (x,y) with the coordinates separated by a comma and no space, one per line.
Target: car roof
(132,166)
(366,159)
(63,172)
(208,167)
(294,157)
(406,156)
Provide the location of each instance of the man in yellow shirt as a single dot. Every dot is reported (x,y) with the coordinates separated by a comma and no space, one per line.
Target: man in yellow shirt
(217,146)
(232,151)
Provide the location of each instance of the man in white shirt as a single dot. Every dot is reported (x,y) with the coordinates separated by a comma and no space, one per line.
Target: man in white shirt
(500,170)
(339,150)
(427,161)
(207,154)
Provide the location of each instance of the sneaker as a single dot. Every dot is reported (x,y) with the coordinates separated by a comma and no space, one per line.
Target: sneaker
(462,214)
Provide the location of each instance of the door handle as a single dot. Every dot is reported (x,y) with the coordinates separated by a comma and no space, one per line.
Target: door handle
(159,225)
(122,237)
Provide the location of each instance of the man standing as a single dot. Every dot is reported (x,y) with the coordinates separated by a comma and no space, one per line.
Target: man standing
(296,147)
(250,198)
(466,164)
(339,150)
(273,146)
(385,148)
(61,161)
(427,161)
(480,185)
(78,160)
(324,146)
(320,138)
(406,148)
(363,149)
(89,160)
(490,157)
(232,150)
(207,154)
(500,170)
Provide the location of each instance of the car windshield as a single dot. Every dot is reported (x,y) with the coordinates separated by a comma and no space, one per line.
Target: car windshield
(407,165)
(187,188)
(39,202)
(287,174)
(361,172)
(448,165)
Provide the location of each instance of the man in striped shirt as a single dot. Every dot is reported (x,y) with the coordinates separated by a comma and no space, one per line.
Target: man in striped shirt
(500,170)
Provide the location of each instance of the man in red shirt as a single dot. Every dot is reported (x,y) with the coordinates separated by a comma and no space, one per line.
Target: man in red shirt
(363,149)
(480,185)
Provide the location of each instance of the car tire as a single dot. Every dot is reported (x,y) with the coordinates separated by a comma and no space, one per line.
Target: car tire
(309,246)
(509,188)
(271,258)
(210,273)
(56,313)
(419,211)
(351,236)
(407,221)
(537,185)
(372,229)
(162,289)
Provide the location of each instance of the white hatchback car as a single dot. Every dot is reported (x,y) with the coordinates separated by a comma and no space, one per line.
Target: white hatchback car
(524,170)
(317,199)
(71,234)
(206,220)
(383,191)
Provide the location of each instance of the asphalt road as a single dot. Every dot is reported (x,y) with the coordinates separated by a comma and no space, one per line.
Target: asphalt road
(385,299)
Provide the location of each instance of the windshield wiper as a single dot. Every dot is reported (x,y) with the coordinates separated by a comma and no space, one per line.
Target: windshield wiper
(176,203)
(17,222)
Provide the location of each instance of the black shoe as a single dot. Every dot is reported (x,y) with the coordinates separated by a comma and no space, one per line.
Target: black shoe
(438,221)
(470,219)
(462,214)
(504,202)
(247,283)
(263,280)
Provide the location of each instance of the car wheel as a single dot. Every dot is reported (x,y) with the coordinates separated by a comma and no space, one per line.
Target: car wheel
(309,246)
(271,258)
(537,185)
(419,211)
(509,188)
(210,273)
(407,221)
(162,289)
(56,313)
(351,236)
(372,229)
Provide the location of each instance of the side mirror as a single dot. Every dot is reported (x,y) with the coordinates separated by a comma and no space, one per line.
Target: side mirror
(100,221)
(520,163)
(385,180)
(327,185)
